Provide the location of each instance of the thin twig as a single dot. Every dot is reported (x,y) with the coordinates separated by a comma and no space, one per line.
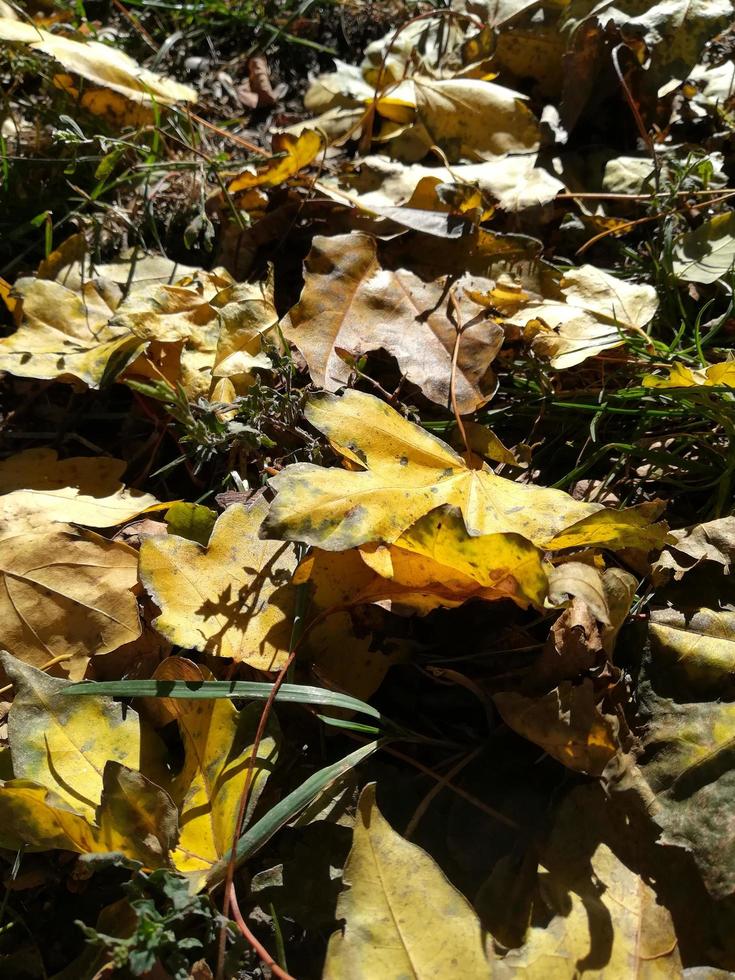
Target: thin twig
(265,956)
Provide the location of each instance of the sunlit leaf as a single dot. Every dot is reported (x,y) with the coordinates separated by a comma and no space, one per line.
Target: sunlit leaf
(66,594)
(402,916)
(408,473)
(232,598)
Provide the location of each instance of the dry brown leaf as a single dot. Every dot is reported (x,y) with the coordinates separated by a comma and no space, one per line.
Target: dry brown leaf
(66,595)
(566,723)
(350,303)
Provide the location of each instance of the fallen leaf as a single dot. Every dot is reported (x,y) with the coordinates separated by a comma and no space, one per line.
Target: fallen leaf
(99,63)
(675,30)
(515,182)
(593,312)
(435,563)
(135,819)
(191,521)
(231,599)
(202,327)
(350,303)
(566,723)
(408,473)
(687,737)
(681,376)
(631,527)
(66,596)
(593,915)
(291,154)
(38,486)
(697,646)
(66,336)
(471,119)
(62,741)
(217,757)
(707,253)
(688,548)
(344,660)
(402,916)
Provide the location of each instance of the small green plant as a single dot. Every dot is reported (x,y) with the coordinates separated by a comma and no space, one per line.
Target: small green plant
(172,928)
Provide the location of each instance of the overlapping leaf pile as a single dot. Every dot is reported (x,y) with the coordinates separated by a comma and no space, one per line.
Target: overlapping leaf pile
(339,511)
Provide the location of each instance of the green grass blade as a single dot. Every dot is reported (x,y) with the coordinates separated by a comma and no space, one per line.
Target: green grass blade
(201,690)
(279,815)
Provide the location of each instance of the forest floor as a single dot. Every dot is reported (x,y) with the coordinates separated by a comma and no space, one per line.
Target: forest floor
(367,464)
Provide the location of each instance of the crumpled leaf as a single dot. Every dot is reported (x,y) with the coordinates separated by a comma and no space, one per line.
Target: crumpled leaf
(100,63)
(135,819)
(38,486)
(514,182)
(294,153)
(66,335)
(567,723)
(675,30)
(349,303)
(707,253)
(681,376)
(75,786)
(596,916)
(689,547)
(402,917)
(435,563)
(408,473)
(202,327)
(231,599)
(592,314)
(66,595)
(217,755)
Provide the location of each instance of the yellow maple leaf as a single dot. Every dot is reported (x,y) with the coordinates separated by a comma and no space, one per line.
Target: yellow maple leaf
(406,473)
(435,563)
(66,335)
(217,752)
(232,598)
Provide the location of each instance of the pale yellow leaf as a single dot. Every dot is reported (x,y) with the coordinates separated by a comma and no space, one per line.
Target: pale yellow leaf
(99,63)
(217,756)
(66,335)
(402,917)
(62,741)
(37,487)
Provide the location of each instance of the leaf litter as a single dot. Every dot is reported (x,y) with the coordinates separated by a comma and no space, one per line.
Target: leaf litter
(388,389)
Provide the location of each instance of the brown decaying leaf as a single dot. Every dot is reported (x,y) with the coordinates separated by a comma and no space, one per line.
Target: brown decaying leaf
(351,303)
